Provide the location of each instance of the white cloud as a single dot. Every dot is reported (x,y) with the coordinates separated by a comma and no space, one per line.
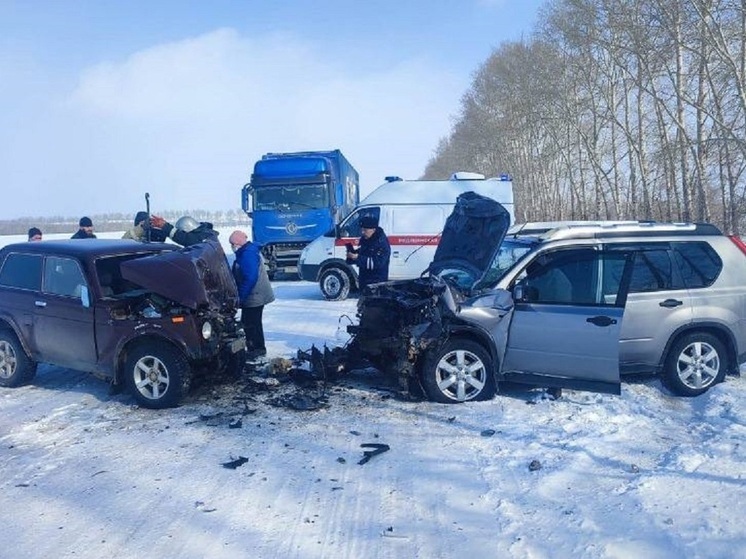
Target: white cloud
(186,120)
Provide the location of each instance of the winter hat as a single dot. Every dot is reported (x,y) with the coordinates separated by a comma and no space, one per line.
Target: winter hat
(369,222)
(140,216)
(85,222)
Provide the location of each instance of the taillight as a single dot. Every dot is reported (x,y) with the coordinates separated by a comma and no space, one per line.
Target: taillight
(738,242)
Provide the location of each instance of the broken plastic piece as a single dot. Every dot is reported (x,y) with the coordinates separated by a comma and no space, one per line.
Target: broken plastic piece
(377,449)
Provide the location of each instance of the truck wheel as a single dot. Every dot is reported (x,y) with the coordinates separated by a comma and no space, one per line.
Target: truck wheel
(15,366)
(460,371)
(157,374)
(335,284)
(695,362)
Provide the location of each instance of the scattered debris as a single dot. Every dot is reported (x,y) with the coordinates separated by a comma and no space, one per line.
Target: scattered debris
(487,432)
(378,448)
(534,466)
(389,533)
(233,464)
(356,433)
(237,424)
(634,468)
(200,505)
(341,460)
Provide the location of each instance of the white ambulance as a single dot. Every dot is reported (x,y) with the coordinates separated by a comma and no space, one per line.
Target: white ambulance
(411,213)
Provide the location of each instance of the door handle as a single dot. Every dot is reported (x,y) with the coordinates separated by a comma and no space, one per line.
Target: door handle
(40,303)
(601,320)
(670,303)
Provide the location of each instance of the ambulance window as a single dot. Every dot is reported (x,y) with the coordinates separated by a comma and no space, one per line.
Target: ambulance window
(416,220)
(351,226)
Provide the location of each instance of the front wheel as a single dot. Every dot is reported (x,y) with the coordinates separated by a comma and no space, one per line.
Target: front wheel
(15,366)
(458,372)
(695,362)
(335,284)
(157,375)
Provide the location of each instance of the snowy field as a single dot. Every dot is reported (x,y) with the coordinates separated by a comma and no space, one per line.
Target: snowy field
(642,475)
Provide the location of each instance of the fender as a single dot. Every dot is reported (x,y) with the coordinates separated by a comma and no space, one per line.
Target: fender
(718,329)
(6,321)
(146,333)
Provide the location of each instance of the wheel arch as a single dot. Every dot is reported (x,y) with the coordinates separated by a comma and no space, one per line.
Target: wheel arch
(149,337)
(720,331)
(8,324)
(479,336)
(342,265)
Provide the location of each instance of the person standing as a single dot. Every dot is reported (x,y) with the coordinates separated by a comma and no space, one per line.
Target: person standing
(187,231)
(373,253)
(254,291)
(85,229)
(34,234)
(142,230)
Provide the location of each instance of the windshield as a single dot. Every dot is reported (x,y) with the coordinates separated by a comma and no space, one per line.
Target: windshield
(511,251)
(291,197)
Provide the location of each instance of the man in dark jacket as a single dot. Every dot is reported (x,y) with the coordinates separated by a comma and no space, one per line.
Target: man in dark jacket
(142,230)
(187,231)
(85,229)
(373,253)
(254,291)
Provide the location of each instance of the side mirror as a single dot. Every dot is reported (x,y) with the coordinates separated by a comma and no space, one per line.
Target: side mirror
(85,296)
(525,293)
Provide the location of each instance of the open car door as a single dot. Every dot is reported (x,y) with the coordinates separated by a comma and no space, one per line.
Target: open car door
(567,318)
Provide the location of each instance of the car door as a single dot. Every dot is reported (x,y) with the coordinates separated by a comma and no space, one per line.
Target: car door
(567,318)
(63,327)
(658,304)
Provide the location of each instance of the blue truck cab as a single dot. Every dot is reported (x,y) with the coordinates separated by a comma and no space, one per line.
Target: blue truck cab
(293,198)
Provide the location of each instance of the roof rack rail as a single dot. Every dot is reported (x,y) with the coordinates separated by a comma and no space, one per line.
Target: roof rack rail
(624,229)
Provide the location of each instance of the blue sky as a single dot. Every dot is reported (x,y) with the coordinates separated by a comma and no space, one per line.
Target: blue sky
(105,100)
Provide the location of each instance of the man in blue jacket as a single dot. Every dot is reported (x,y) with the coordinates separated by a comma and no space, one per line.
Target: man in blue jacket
(373,253)
(254,291)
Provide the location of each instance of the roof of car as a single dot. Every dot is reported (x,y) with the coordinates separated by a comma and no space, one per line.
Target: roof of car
(88,247)
(629,229)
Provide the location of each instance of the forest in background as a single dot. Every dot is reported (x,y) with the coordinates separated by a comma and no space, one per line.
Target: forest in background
(613,110)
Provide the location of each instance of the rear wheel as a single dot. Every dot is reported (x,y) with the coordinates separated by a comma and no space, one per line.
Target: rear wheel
(460,371)
(15,366)
(695,362)
(335,284)
(157,374)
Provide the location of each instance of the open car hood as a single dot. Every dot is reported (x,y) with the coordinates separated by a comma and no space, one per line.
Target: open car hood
(194,276)
(471,237)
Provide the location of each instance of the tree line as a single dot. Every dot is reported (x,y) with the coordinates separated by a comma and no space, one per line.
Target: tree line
(117,221)
(613,110)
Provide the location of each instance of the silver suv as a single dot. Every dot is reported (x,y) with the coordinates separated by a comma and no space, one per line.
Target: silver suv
(572,307)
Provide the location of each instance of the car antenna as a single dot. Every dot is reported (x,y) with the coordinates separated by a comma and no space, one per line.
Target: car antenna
(147,210)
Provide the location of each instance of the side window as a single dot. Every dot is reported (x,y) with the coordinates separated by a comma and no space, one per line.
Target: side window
(652,271)
(351,226)
(564,276)
(62,276)
(22,270)
(700,265)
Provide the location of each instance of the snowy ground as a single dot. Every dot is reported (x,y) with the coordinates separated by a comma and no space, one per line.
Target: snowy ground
(644,474)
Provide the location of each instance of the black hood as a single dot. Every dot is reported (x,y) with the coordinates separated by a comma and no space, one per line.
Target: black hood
(472,236)
(194,276)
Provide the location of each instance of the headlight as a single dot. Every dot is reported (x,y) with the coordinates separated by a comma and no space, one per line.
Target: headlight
(206,330)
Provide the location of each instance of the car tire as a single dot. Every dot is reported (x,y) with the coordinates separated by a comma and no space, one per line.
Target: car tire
(695,362)
(460,371)
(157,374)
(16,368)
(335,284)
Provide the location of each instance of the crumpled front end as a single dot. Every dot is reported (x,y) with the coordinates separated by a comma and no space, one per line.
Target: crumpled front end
(398,321)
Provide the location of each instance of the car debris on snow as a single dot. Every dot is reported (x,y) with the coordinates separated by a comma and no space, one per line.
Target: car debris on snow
(238,462)
(377,448)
